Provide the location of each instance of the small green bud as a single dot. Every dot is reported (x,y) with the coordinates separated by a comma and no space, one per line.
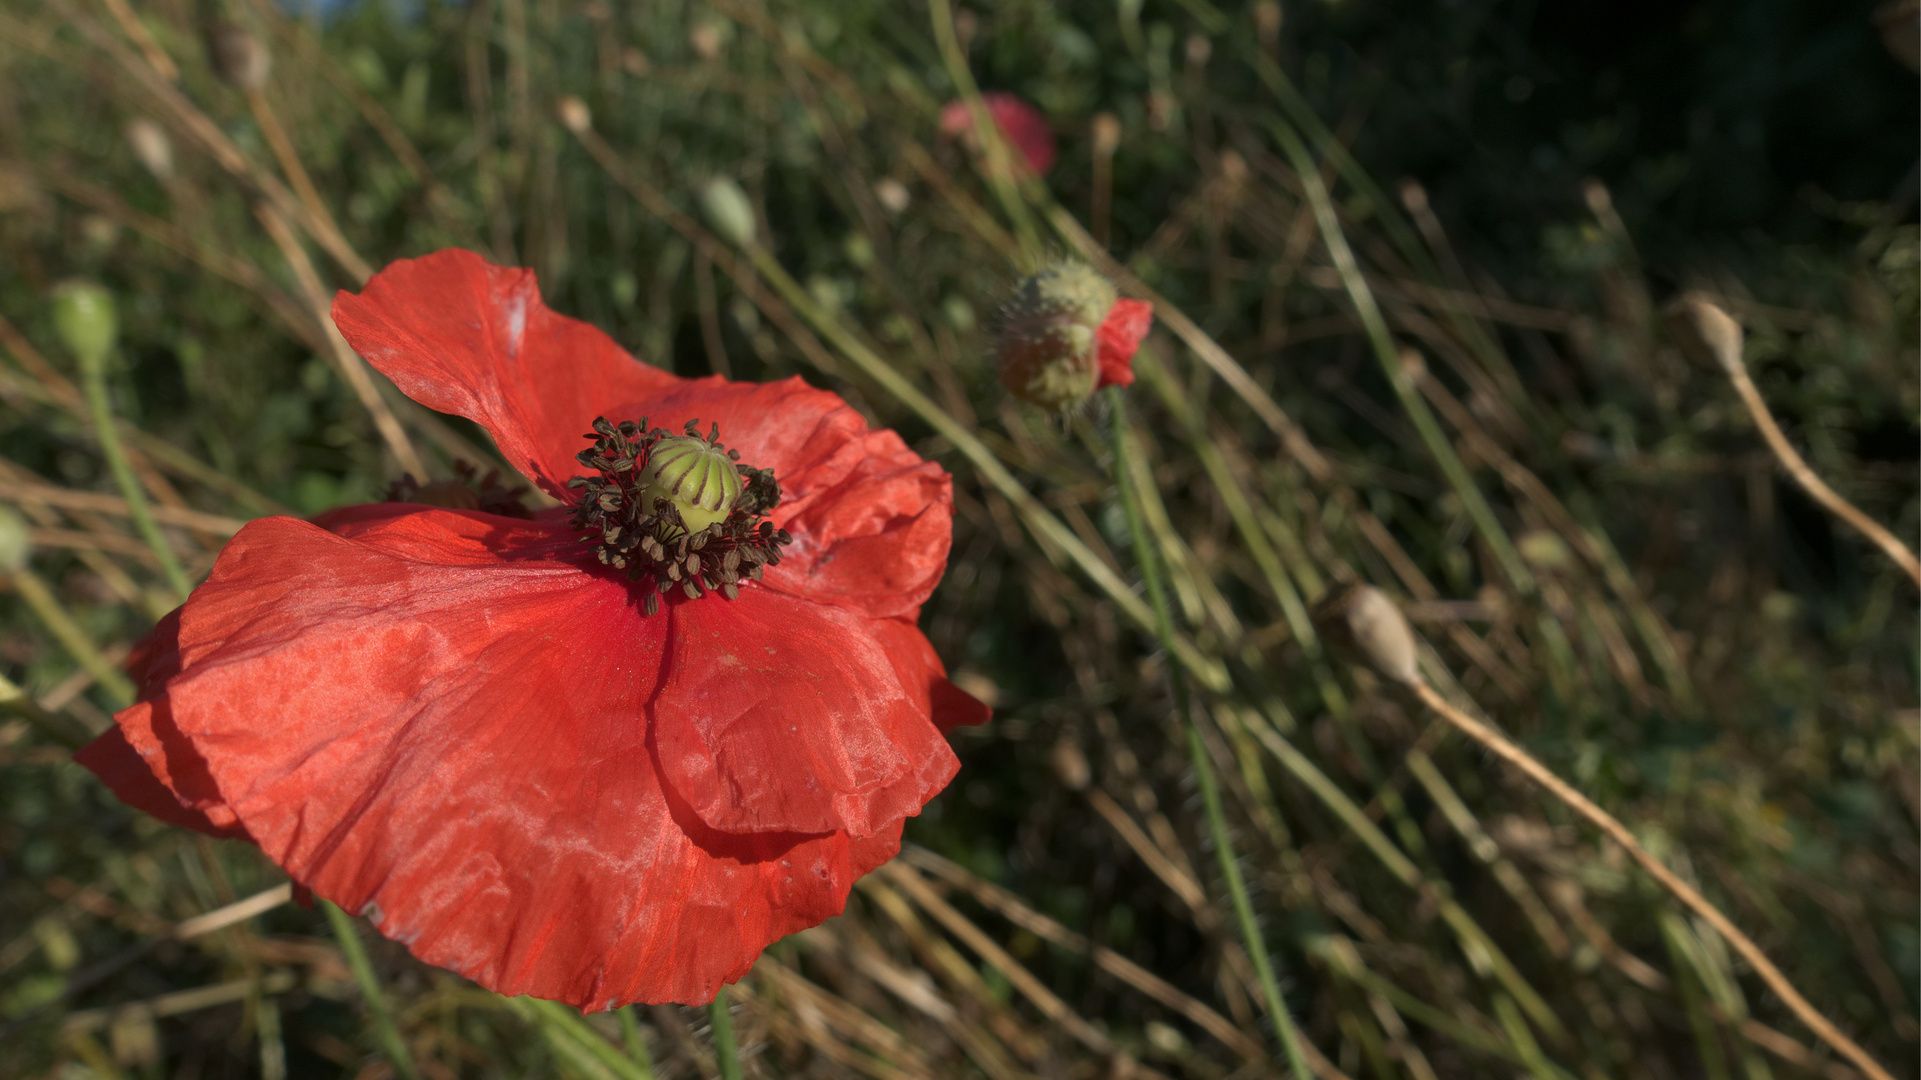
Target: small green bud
(16,543)
(84,317)
(696,476)
(1049,345)
(728,211)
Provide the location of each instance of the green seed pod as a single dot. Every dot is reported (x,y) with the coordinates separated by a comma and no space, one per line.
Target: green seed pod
(1048,348)
(694,475)
(84,317)
(728,211)
(16,544)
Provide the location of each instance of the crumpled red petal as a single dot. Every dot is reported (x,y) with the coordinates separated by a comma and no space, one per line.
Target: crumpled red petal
(463,336)
(757,694)
(1120,336)
(434,720)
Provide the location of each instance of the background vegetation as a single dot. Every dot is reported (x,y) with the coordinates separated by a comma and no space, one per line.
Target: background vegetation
(1650,607)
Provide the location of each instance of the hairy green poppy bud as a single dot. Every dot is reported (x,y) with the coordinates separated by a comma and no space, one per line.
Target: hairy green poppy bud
(1049,335)
(16,543)
(84,317)
(728,211)
(697,477)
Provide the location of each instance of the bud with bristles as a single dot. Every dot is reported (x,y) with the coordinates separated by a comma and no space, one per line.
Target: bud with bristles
(728,211)
(1359,620)
(1065,334)
(240,57)
(85,319)
(151,147)
(16,541)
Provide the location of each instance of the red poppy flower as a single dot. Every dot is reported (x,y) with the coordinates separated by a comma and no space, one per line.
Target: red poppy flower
(1021,123)
(468,726)
(1120,336)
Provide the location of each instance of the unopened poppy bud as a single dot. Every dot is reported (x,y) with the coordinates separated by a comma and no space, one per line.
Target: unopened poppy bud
(1360,620)
(1065,334)
(695,476)
(16,541)
(151,147)
(1070,765)
(1107,134)
(84,317)
(573,114)
(728,211)
(240,57)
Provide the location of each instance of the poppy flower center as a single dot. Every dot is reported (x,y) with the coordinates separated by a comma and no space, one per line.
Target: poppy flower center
(676,511)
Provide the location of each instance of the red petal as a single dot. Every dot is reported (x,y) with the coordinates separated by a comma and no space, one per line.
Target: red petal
(774,714)
(463,336)
(437,723)
(113,759)
(1022,124)
(920,668)
(1120,336)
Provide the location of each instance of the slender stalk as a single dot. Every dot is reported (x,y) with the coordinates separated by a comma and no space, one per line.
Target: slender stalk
(999,164)
(93,380)
(383,1018)
(571,1036)
(1389,356)
(726,1053)
(60,624)
(1723,337)
(635,1039)
(1681,890)
(1251,937)
(61,730)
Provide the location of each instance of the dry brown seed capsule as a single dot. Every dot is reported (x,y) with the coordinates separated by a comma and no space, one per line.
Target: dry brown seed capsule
(1360,620)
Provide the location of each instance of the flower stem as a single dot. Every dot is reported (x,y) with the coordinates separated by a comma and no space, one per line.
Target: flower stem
(93,379)
(726,1053)
(572,1038)
(1203,769)
(383,1018)
(61,625)
(17,701)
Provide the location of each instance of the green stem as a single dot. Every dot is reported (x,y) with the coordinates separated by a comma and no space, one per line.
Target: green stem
(636,1040)
(21,704)
(93,378)
(573,1038)
(383,1018)
(1429,429)
(726,1053)
(62,626)
(1203,769)
(998,166)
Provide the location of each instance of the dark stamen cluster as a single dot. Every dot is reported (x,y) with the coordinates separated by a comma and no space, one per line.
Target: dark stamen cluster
(471,490)
(633,527)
